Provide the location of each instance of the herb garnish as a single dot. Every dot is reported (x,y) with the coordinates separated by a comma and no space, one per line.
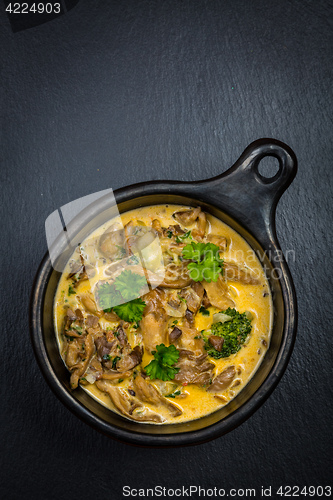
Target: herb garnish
(122,251)
(114,362)
(71,291)
(185,236)
(131,311)
(131,261)
(126,287)
(129,284)
(206,262)
(162,367)
(181,298)
(174,394)
(76,328)
(204,311)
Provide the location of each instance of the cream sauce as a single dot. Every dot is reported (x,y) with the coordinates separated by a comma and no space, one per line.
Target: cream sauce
(195,401)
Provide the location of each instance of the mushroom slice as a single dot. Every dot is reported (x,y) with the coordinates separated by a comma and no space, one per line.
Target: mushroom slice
(88,302)
(220,241)
(190,340)
(175,334)
(74,323)
(147,393)
(193,296)
(127,404)
(112,242)
(154,323)
(223,380)
(92,321)
(156,225)
(205,301)
(81,271)
(176,276)
(189,319)
(81,367)
(220,398)
(111,316)
(218,293)
(175,306)
(93,373)
(105,349)
(186,217)
(175,230)
(112,375)
(216,342)
(73,353)
(131,360)
(193,369)
(199,233)
(233,272)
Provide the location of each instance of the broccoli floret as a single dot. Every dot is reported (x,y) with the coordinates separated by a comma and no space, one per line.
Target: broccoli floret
(234,333)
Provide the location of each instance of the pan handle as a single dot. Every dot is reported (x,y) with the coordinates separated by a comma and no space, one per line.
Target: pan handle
(251,197)
(249,161)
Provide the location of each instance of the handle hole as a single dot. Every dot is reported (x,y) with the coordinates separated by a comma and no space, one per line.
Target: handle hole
(268,167)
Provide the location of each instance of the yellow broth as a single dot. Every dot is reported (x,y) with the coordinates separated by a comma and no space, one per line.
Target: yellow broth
(195,401)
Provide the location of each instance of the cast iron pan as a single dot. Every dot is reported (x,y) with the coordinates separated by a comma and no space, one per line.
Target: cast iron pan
(246,201)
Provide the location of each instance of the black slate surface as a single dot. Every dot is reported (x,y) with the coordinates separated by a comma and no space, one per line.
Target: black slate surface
(113,93)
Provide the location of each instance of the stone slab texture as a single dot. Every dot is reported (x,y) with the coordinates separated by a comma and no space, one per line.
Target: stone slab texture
(112,93)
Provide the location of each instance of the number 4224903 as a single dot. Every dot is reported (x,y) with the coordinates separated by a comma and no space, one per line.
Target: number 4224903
(35,8)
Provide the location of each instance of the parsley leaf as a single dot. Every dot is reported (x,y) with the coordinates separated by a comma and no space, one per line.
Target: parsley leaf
(122,251)
(71,291)
(129,284)
(114,362)
(173,394)
(162,367)
(206,262)
(126,287)
(131,311)
(204,311)
(112,299)
(108,296)
(183,237)
(131,261)
(76,328)
(181,298)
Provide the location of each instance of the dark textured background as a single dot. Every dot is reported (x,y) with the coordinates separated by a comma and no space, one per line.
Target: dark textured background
(113,93)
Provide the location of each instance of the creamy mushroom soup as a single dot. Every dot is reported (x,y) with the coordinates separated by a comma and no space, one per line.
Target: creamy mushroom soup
(163,314)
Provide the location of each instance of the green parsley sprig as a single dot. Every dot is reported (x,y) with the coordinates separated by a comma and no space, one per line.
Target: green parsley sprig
(131,311)
(123,293)
(204,311)
(162,367)
(206,262)
(129,284)
(183,237)
(173,394)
